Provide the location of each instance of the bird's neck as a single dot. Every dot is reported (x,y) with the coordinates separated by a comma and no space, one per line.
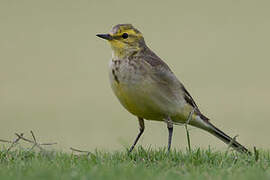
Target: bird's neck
(123,53)
(118,54)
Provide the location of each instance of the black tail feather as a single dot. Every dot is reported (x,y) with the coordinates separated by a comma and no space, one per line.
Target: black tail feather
(227,139)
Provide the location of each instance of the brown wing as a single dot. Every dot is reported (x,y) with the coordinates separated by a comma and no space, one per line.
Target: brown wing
(162,69)
(191,102)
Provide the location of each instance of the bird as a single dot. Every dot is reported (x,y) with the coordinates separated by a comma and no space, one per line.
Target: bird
(146,86)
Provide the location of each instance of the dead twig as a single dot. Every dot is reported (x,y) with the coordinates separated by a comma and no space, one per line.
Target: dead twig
(187,131)
(80,151)
(14,142)
(5,141)
(231,142)
(34,141)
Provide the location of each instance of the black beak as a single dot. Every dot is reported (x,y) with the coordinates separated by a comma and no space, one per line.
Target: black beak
(105,36)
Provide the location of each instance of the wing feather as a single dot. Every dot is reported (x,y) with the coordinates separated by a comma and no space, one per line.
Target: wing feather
(165,75)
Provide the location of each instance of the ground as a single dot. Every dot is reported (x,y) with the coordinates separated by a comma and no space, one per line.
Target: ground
(140,164)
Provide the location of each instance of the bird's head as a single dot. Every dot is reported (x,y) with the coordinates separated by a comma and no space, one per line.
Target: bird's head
(124,39)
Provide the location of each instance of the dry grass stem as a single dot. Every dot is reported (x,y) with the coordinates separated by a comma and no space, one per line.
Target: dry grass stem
(19,136)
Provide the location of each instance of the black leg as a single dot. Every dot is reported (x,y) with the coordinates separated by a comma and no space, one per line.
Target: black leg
(141,123)
(170,129)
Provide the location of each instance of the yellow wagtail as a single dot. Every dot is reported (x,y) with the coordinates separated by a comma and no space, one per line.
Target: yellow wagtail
(147,88)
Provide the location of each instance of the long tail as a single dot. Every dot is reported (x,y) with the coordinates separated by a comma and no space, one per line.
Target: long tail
(204,123)
(227,139)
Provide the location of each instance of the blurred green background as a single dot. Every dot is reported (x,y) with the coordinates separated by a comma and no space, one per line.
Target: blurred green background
(54,70)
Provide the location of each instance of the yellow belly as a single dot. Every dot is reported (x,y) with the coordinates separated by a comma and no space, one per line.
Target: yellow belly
(138,101)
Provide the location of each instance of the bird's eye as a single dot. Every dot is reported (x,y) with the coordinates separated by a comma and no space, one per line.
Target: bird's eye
(125,35)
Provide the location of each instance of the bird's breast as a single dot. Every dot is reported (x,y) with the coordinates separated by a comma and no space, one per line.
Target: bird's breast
(126,72)
(132,86)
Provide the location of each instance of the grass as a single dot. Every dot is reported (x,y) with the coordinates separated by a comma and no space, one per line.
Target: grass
(140,164)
